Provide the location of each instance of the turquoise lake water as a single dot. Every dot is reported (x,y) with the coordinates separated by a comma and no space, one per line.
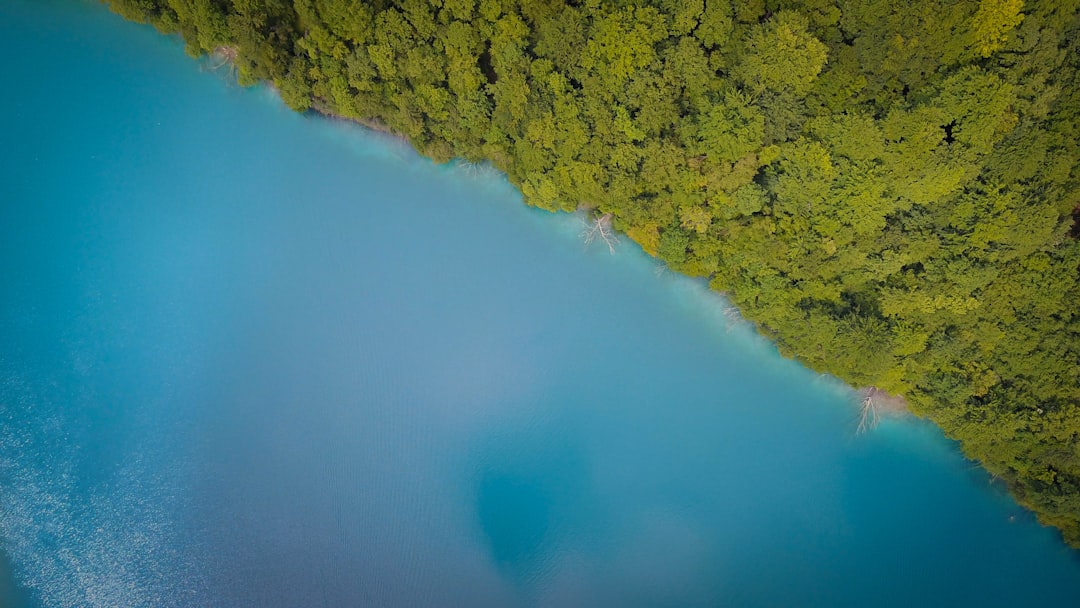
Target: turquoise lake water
(252,358)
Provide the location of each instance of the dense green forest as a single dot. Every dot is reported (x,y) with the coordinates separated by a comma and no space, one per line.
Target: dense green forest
(889,190)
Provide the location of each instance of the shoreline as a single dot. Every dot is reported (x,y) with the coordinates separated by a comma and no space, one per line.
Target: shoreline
(870,403)
(323,111)
(867,400)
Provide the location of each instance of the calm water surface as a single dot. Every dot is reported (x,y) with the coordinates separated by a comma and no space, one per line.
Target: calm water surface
(250,358)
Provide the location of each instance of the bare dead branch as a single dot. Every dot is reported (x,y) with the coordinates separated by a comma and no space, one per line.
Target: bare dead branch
(600,228)
(868,413)
(224,56)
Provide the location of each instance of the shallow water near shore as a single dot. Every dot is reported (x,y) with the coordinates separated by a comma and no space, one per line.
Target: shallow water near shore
(253,358)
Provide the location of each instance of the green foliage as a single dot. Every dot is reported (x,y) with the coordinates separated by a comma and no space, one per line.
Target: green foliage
(729,130)
(781,55)
(888,190)
(993,22)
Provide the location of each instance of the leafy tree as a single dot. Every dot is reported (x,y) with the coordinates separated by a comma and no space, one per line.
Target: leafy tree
(993,22)
(781,55)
